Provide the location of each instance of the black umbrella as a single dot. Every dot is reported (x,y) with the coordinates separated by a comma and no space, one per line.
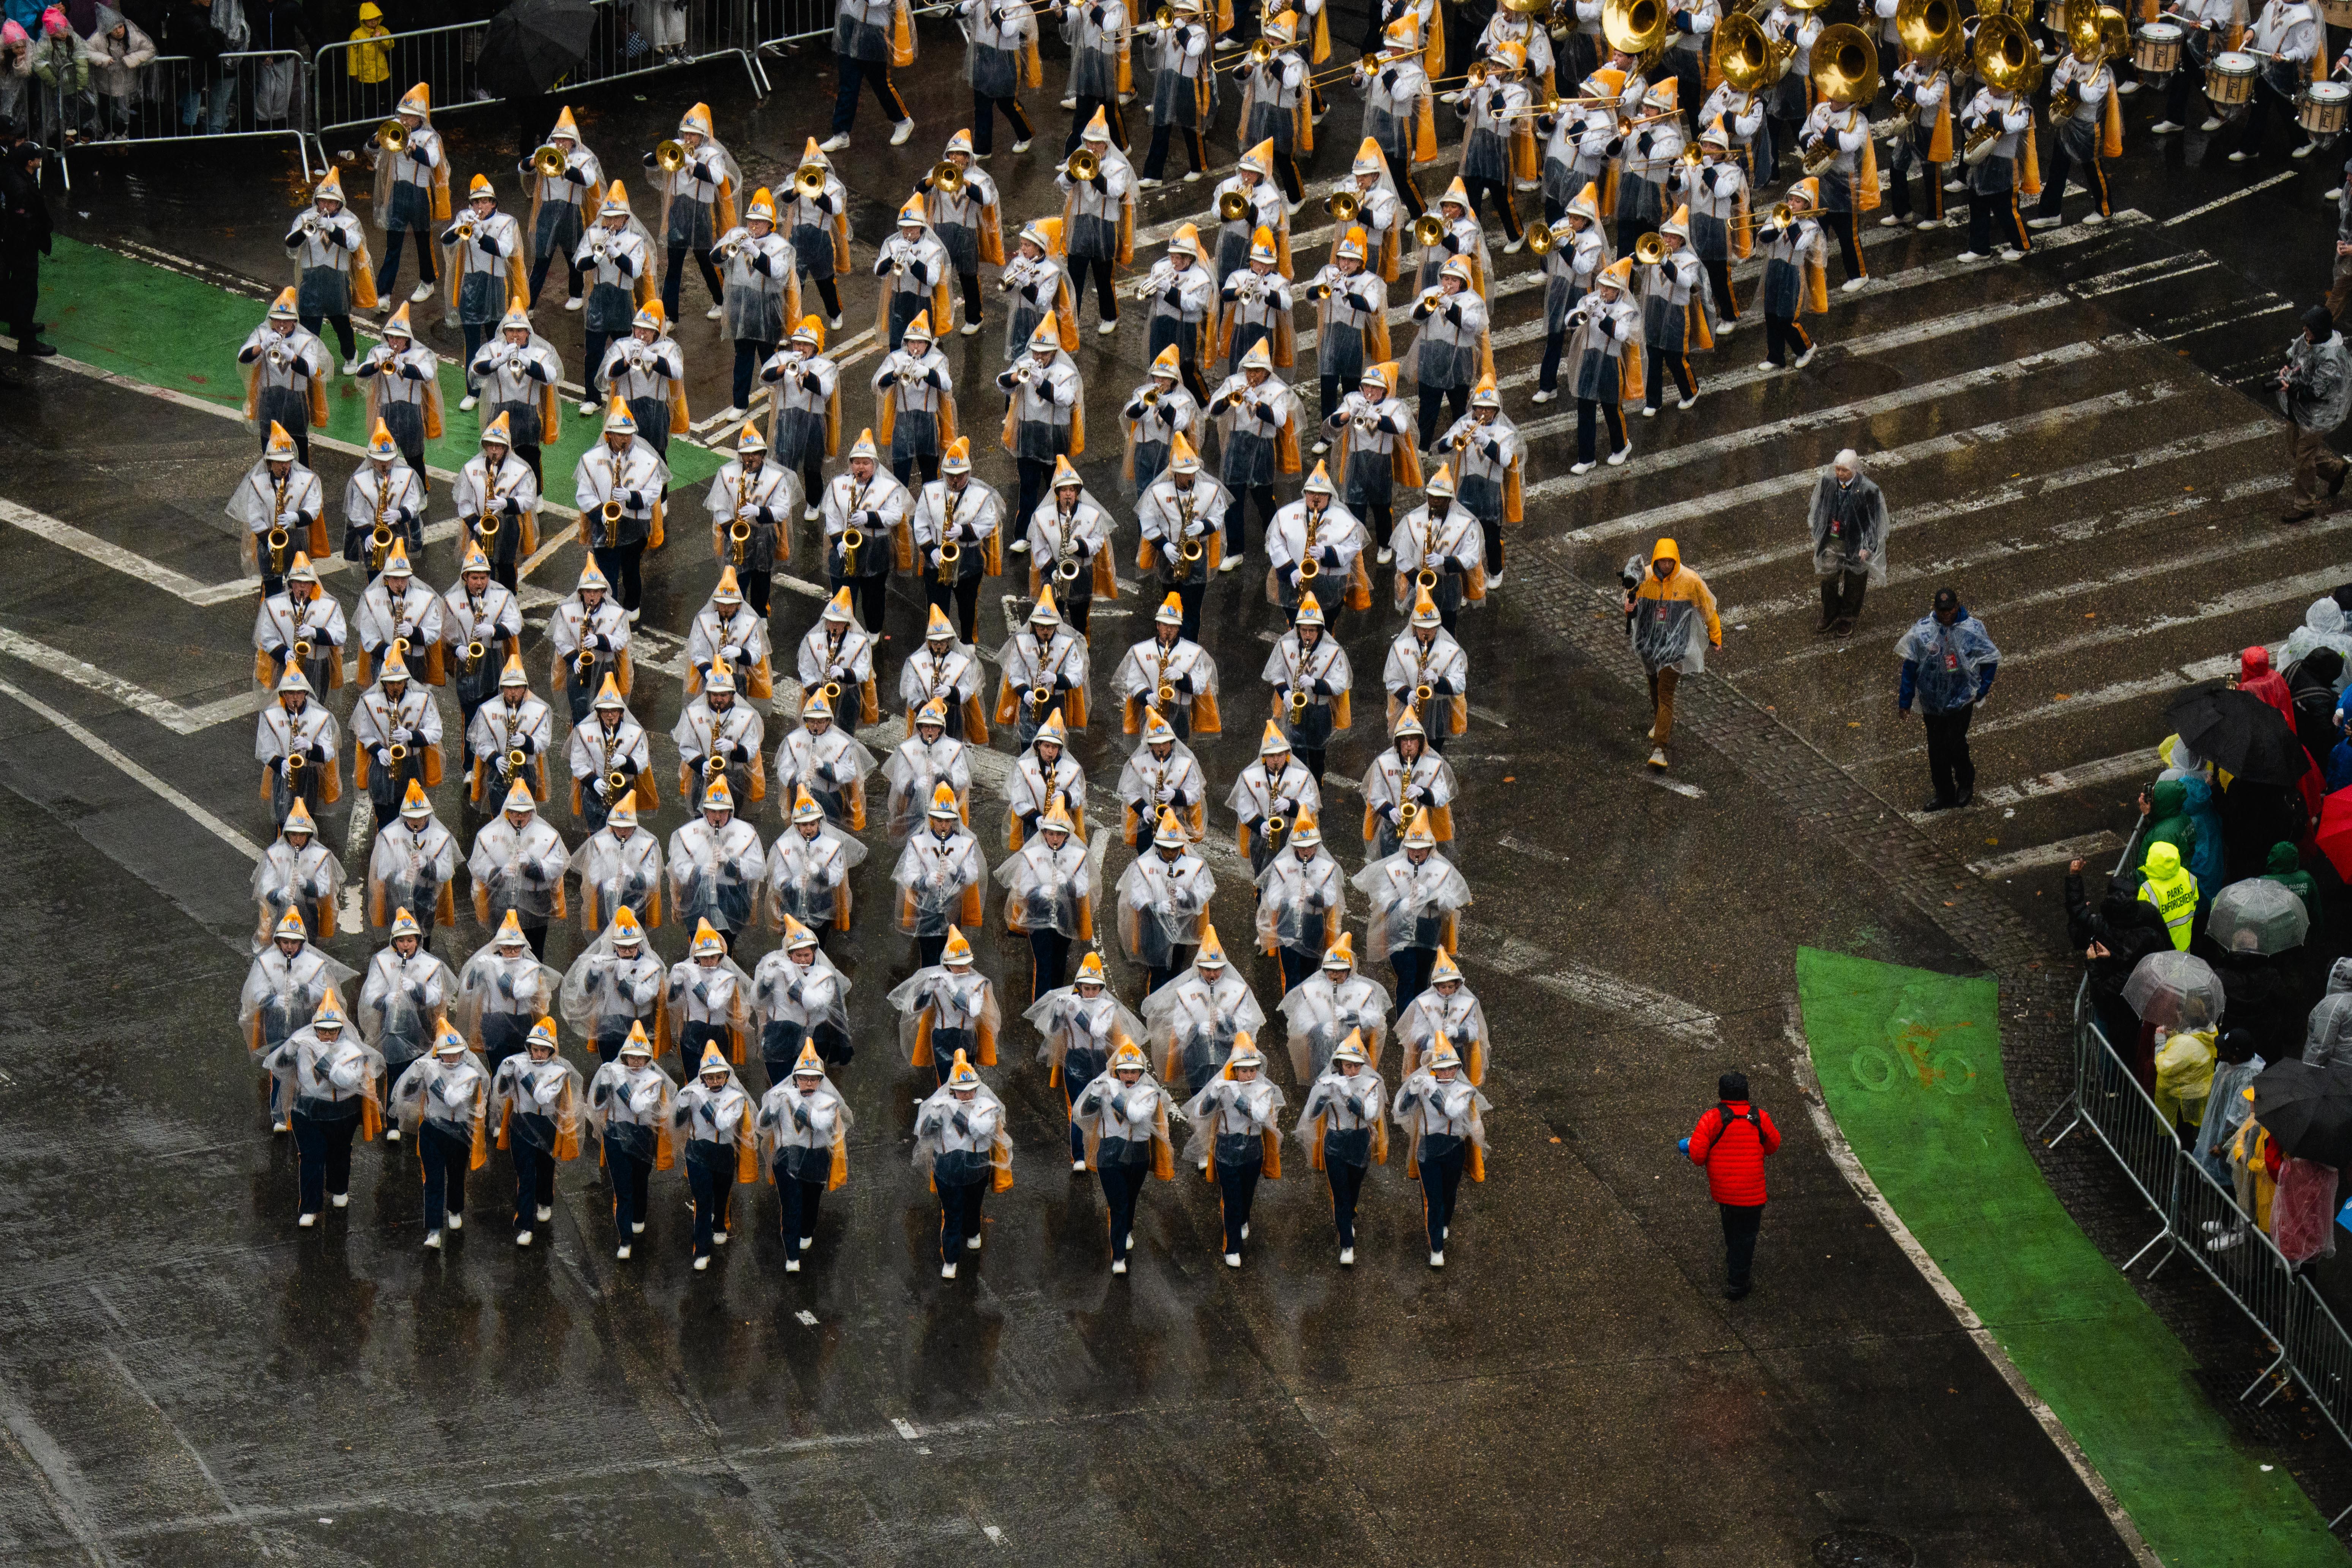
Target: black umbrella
(2242,734)
(532,43)
(2309,1111)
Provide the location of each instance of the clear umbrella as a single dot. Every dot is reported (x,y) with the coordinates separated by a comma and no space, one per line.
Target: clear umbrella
(2174,991)
(2257,916)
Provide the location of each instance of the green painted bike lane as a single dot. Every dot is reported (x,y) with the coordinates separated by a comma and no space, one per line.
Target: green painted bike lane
(1909,1065)
(167,330)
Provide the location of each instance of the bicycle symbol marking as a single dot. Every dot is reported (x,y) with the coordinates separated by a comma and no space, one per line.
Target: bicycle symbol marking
(1912,1050)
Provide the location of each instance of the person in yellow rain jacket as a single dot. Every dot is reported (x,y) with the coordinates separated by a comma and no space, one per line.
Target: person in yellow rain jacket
(368,63)
(2171,887)
(1670,615)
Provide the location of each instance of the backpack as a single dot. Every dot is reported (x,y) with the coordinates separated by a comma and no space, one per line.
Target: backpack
(1725,1119)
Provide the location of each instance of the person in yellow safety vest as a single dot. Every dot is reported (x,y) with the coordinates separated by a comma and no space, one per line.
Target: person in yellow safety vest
(2172,888)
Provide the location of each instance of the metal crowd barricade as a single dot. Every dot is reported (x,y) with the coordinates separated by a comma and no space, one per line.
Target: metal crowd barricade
(175,97)
(631,38)
(783,22)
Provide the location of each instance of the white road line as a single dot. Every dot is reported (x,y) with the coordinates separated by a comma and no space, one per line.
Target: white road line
(131,770)
(1720,502)
(1839,414)
(177,583)
(1685,1021)
(2180,218)
(2082,775)
(2083,847)
(2303,586)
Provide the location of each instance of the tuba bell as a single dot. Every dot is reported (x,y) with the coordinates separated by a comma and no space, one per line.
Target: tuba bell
(1746,57)
(1928,26)
(2005,57)
(1636,26)
(1845,65)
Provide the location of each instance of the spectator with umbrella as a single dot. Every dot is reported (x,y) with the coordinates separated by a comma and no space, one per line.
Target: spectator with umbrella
(2246,734)
(2170,992)
(2299,1134)
(2113,938)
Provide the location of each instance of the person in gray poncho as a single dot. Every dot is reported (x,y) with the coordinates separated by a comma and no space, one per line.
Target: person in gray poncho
(2315,392)
(1849,524)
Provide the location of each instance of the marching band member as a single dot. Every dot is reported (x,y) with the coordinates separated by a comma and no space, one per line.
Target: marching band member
(335,1085)
(1796,22)
(818,225)
(560,203)
(1172,673)
(1037,777)
(300,626)
(406,990)
(1923,90)
(1416,895)
(620,867)
(1099,221)
(622,471)
(804,1128)
(1399,128)
(516,724)
(1000,60)
(278,496)
(1377,226)
(412,193)
(717,868)
(753,503)
(1120,1119)
(629,1105)
(1462,239)
(518,866)
(1369,427)
(1745,141)
(1529,34)
(919,765)
(869,38)
(1257,307)
(332,270)
(804,408)
(838,650)
(1162,775)
(1322,1010)
(285,369)
(1261,206)
(698,206)
(1232,1121)
(611,743)
(763,292)
(1571,270)
(1274,105)
(716,1120)
(1045,415)
(1313,529)
(1045,672)
(1163,901)
(297,873)
(646,371)
(295,742)
(1452,347)
(1181,291)
(1040,289)
(1351,329)
(1796,276)
(442,1100)
(1177,519)
(939,876)
(1848,185)
(914,266)
(716,734)
(1592,136)
(1447,1010)
(1311,677)
(1156,413)
(486,258)
(589,639)
(801,1001)
(1196,1019)
(1444,1117)
(948,672)
(1095,33)
(826,761)
(383,502)
(915,402)
(393,608)
(284,986)
(2094,132)
(808,871)
(1607,345)
(877,505)
(535,1102)
(393,714)
(1302,899)
(726,631)
(1995,181)
(1268,796)
(709,999)
(502,988)
(1259,434)
(1719,224)
(965,219)
(1672,312)
(1671,620)
(410,869)
(2286,36)
(1651,156)
(1440,552)
(962,1146)
(1183,93)
(615,986)
(479,617)
(2210,28)
(1687,57)
(1407,783)
(618,255)
(1069,537)
(496,492)
(1426,664)
(1051,890)
(947,1012)
(1344,1132)
(1494,127)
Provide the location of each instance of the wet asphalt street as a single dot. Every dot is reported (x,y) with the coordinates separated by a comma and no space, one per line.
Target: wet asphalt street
(184,1377)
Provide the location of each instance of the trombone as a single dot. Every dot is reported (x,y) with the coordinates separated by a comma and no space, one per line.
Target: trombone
(548,163)
(1083,165)
(391,136)
(670,157)
(1234,207)
(1257,54)
(948,180)
(808,180)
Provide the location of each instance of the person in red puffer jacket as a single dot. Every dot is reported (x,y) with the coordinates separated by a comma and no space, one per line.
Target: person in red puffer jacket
(1731,1140)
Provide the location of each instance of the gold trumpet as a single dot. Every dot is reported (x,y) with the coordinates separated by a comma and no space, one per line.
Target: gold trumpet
(475,654)
(548,163)
(670,157)
(280,541)
(1428,229)
(391,136)
(1425,580)
(809,180)
(1233,206)
(739,540)
(1083,165)
(465,230)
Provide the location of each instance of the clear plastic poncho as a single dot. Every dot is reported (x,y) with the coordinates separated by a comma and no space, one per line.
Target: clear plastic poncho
(1458,1019)
(1413,905)
(2323,627)
(807,1132)
(940,1002)
(401,998)
(933,878)
(1051,889)
(1087,1027)
(615,873)
(1300,904)
(488,984)
(308,880)
(1162,905)
(630,1108)
(1192,1023)
(1341,1120)
(1321,1013)
(280,993)
(1228,1115)
(342,1068)
(457,1096)
(602,992)
(720,876)
(542,1105)
(792,1002)
(808,879)
(914,770)
(957,1154)
(1126,1124)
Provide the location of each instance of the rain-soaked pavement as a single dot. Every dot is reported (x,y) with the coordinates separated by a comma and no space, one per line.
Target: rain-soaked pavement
(186,1378)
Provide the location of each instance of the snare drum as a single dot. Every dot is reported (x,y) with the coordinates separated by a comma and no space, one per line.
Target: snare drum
(2336,13)
(2321,112)
(2230,79)
(2156,50)
(2054,16)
